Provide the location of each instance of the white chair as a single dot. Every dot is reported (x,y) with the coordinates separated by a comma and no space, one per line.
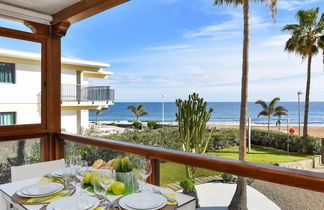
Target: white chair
(34,170)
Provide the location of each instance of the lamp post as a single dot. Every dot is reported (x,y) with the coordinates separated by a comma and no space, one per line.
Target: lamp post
(163,95)
(299,93)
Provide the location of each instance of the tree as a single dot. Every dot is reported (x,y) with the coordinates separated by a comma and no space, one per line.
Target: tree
(192,118)
(239,200)
(272,109)
(99,112)
(138,111)
(280,111)
(307,37)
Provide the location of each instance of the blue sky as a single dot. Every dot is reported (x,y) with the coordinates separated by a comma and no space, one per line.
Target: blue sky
(178,47)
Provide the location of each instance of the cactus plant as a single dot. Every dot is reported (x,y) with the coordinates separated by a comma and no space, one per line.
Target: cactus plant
(192,118)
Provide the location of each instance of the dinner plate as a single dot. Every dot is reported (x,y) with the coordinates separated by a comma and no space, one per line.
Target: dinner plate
(40,189)
(83,202)
(145,200)
(57,173)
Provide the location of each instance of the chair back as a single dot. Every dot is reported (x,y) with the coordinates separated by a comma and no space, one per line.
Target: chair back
(34,170)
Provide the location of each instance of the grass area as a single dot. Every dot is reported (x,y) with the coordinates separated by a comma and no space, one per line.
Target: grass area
(172,172)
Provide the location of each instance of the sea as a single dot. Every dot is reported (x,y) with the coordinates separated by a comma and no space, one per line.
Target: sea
(225,113)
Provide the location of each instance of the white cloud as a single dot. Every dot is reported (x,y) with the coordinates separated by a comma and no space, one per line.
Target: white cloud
(295,4)
(275,41)
(229,29)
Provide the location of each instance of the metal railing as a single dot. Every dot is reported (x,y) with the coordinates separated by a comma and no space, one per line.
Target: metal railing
(76,92)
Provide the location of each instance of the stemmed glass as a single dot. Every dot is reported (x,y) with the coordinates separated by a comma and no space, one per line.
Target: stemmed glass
(82,172)
(145,171)
(106,179)
(68,175)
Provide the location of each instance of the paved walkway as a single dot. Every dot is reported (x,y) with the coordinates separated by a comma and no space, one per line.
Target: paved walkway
(218,196)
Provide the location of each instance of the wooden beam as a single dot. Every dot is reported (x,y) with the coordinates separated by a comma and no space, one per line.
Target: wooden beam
(15,34)
(37,28)
(84,9)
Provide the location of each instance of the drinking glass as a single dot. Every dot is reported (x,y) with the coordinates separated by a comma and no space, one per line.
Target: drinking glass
(75,162)
(97,188)
(106,179)
(145,171)
(68,176)
(81,173)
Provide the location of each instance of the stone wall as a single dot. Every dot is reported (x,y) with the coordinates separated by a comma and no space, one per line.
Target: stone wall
(303,164)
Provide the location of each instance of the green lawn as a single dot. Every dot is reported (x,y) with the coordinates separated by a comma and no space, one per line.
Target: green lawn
(172,172)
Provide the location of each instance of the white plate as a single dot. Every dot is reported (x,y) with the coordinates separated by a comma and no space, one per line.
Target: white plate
(145,200)
(40,189)
(74,203)
(57,173)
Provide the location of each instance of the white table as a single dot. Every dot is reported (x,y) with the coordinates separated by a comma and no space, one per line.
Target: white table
(7,190)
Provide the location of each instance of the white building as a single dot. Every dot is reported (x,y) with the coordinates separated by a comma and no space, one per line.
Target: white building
(20,88)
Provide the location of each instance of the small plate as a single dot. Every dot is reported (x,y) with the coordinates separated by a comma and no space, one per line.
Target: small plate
(74,203)
(40,189)
(57,173)
(145,200)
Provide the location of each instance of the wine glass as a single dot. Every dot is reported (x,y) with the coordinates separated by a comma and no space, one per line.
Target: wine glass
(106,179)
(68,176)
(145,171)
(82,172)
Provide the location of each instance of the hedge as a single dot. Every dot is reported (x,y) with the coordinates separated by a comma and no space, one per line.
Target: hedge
(279,140)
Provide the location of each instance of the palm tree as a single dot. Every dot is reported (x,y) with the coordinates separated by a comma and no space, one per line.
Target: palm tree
(272,109)
(280,112)
(138,111)
(99,112)
(239,200)
(307,37)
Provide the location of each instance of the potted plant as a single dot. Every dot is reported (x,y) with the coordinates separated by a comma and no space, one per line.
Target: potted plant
(124,167)
(188,186)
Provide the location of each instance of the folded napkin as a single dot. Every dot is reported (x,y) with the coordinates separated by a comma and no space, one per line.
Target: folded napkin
(173,196)
(56,197)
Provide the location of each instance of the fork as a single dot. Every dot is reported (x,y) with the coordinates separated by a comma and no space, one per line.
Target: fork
(167,197)
(41,200)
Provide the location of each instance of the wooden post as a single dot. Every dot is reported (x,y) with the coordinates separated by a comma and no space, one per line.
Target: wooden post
(322,151)
(155,176)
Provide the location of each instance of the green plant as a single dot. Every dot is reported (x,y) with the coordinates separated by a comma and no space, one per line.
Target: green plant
(272,109)
(188,185)
(223,139)
(279,140)
(113,124)
(307,37)
(138,111)
(152,124)
(192,118)
(228,178)
(123,165)
(137,125)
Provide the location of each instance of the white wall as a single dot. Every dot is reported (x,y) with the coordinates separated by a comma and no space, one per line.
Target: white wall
(69,121)
(23,97)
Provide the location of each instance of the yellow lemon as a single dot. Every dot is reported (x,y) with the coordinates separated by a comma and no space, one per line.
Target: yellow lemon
(109,189)
(87,179)
(118,188)
(94,178)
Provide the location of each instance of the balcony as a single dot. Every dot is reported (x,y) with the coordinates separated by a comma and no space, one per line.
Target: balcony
(86,93)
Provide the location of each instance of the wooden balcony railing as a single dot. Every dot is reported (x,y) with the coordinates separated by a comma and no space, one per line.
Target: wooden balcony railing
(286,176)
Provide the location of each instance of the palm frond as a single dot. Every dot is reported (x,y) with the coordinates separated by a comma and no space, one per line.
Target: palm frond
(263,113)
(263,104)
(274,102)
(228,2)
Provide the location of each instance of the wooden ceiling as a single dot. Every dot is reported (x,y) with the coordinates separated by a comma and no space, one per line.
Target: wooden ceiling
(51,12)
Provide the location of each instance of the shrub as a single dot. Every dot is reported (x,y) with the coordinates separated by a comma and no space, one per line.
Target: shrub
(279,140)
(228,178)
(137,125)
(113,124)
(188,185)
(152,124)
(223,139)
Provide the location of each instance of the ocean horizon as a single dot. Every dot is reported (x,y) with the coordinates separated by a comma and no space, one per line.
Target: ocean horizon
(226,113)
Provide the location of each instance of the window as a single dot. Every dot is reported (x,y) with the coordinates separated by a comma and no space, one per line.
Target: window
(7,118)
(7,72)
